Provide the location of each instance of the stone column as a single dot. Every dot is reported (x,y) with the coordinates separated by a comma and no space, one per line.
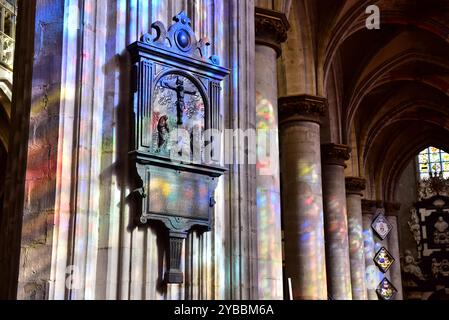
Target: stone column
(302,195)
(335,221)
(2,19)
(354,189)
(271,31)
(26,76)
(391,212)
(371,270)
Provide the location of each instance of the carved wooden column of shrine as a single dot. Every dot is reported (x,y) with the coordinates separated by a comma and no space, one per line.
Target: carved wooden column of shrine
(271,31)
(354,193)
(174,117)
(371,272)
(302,203)
(335,221)
(392,211)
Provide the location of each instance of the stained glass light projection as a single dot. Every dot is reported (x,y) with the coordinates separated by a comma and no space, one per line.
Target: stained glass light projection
(383,259)
(433,160)
(381,226)
(386,290)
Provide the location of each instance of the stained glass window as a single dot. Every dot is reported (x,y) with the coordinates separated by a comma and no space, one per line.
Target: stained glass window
(433,160)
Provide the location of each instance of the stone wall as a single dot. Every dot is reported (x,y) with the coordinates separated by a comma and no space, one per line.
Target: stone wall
(40,179)
(407,196)
(11,218)
(77,241)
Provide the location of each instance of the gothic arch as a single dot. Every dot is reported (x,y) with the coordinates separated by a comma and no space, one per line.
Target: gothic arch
(376,70)
(298,52)
(394,174)
(352,19)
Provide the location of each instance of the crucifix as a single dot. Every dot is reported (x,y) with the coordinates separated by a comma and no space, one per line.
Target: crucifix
(180,93)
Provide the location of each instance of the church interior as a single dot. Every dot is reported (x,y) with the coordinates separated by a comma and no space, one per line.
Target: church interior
(224,150)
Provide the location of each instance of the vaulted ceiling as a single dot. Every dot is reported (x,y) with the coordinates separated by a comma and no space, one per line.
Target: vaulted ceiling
(394,81)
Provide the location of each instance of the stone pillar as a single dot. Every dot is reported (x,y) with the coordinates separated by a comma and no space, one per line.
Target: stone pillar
(354,189)
(13,27)
(302,195)
(2,20)
(25,74)
(371,270)
(391,212)
(271,31)
(335,221)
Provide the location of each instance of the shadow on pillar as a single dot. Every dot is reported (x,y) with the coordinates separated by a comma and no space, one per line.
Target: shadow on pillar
(13,195)
(126,179)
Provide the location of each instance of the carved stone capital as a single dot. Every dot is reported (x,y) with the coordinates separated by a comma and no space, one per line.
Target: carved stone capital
(372,206)
(271,28)
(392,208)
(355,185)
(369,206)
(301,108)
(335,154)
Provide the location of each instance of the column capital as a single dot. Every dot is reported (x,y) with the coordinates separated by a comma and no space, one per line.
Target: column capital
(271,28)
(370,206)
(355,185)
(336,154)
(392,208)
(302,108)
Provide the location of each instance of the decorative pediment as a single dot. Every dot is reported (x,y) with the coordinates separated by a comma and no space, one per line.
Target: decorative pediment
(179,38)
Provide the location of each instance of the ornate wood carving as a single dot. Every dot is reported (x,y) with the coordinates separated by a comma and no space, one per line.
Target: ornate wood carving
(429,224)
(175,102)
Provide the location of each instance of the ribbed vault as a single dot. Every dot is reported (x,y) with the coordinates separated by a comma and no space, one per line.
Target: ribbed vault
(390,87)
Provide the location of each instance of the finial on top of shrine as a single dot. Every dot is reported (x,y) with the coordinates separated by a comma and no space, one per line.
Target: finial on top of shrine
(183,18)
(179,38)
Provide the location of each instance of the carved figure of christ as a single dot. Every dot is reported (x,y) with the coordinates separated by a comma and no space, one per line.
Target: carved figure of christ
(180,94)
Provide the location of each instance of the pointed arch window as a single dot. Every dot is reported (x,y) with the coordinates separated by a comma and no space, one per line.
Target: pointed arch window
(433,160)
